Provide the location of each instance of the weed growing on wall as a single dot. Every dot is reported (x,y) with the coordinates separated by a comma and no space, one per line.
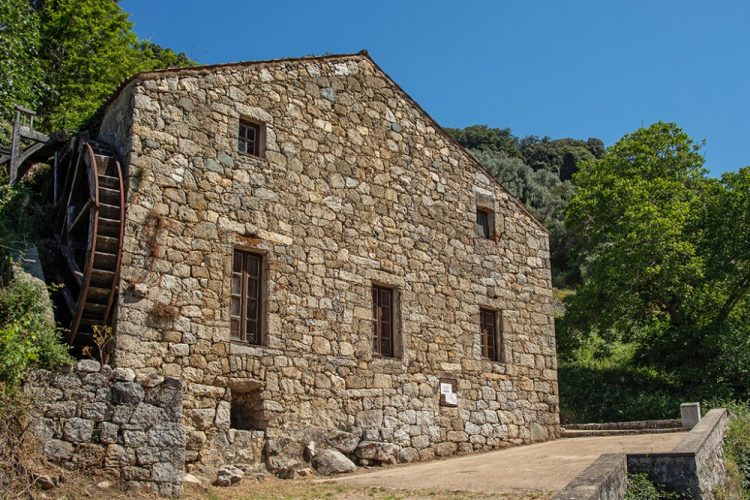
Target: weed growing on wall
(640,487)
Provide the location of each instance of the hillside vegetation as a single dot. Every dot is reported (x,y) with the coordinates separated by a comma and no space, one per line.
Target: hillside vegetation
(61,58)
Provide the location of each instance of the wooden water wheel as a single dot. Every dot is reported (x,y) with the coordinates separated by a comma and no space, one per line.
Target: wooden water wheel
(89,232)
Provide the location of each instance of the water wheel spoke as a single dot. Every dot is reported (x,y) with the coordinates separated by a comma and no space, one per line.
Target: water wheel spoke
(78,219)
(75,271)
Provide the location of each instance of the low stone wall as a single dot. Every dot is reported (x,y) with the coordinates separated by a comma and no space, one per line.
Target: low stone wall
(95,417)
(695,465)
(672,423)
(605,479)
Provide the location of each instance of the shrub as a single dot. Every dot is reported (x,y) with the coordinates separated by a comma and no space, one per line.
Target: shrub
(27,337)
(600,383)
(737,452)
(640,487)
(19,449)
(18,222)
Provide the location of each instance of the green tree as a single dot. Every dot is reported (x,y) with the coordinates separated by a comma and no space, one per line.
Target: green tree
(666,259)
(88,48)
(20,67)
(631,220)
(153,56)
(484,138)
(559,156)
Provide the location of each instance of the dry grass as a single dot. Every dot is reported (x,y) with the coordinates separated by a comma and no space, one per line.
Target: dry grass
(19,455)
(277,489)
(79,487)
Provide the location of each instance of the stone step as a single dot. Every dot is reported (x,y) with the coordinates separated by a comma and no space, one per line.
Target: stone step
(635,424)
(575,433)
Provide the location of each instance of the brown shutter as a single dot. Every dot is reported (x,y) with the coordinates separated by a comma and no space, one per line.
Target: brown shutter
(382,316)
(246,297)
(488,323)
(483,221)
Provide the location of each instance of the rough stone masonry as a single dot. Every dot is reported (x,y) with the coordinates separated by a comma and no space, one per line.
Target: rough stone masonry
(351,185)
(91,417)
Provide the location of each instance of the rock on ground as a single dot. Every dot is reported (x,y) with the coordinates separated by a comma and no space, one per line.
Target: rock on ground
(228,475)
(328,462)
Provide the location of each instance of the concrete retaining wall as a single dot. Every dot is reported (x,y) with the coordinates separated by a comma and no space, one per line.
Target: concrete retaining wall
(605,479)
(94,417)
(695,465)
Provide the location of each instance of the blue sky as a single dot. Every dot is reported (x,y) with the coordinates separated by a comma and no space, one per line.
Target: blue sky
(558,68)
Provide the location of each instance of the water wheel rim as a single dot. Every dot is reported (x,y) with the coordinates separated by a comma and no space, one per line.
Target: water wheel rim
(79,232)
(93,183)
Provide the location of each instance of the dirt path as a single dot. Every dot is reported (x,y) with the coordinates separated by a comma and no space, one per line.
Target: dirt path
(542,468)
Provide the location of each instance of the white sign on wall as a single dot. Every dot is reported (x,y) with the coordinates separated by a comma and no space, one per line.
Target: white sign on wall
(448,394)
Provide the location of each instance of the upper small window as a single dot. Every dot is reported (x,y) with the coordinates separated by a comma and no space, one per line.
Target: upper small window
(485,223)
(250,138)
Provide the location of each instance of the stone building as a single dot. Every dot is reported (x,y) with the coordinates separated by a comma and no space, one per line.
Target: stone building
(318,261)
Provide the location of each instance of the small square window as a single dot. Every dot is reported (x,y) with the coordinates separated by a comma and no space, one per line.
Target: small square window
(485,223)
(250,138)
(490,338)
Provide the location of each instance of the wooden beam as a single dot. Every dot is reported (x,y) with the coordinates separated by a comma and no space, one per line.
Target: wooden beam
(15,146)
(70,260)
(79,218)
(27,133)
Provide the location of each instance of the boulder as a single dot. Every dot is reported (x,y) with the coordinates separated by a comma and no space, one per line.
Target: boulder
(228,475)
(192,479)
(310,451)
(45,481)
(377,451)
(287,473)
(331,461)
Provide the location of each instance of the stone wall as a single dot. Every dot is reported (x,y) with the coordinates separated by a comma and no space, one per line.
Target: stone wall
(358,186)
(116,128)
(93,417)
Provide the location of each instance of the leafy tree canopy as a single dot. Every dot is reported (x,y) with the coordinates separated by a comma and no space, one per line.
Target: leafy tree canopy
(20,68)
(666,258)
(64,58)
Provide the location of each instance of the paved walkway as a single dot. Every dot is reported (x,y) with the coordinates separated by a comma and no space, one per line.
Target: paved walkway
(543,467)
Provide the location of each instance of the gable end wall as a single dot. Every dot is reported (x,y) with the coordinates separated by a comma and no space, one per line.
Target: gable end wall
(357,187)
